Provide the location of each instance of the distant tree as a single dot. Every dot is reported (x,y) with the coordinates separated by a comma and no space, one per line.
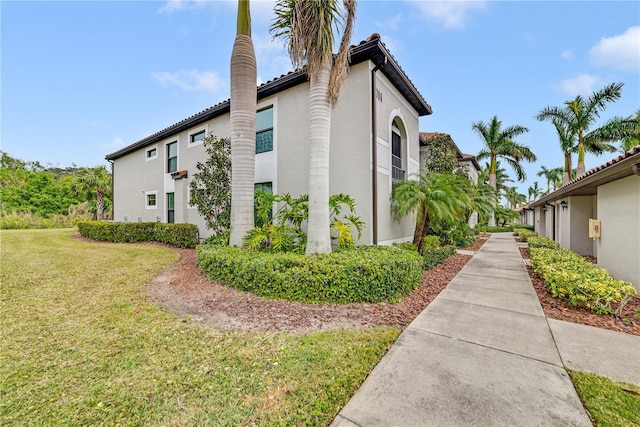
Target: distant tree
(631,141)
(211,185)
(514,198)
(442,156)
(553,176)
(499,144)
(534,192)
(94,181)
(579,115)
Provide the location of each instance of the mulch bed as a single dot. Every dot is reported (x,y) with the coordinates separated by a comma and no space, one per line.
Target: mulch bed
(185,290)
(563,310)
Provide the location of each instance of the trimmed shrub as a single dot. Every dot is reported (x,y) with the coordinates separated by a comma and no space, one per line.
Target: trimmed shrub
(462,235)
(524,234)
(434,256)
(569,276)
(519,227)
(506,229)
(362,274)
(179,235)
(431,242)
(542,242)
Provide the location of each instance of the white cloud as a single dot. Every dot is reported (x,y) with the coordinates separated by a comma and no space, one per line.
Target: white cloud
(621,52)
(201,81)
(116,143)
(567,54)
(452,13)
(174,5)
(530,37)
(390,24)
(581,84)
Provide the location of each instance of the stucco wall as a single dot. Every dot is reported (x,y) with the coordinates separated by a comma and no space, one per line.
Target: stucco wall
(581,209)
(287,165)
(619,247)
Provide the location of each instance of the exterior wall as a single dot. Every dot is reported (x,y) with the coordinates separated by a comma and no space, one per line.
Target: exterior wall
(286,167)
(539,225)
(619,247)
(580,210)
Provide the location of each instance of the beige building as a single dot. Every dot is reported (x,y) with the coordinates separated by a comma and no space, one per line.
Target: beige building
(609,195)
(376,121)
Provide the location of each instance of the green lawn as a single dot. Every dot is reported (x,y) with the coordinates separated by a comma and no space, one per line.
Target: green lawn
(83,345)
(610,403)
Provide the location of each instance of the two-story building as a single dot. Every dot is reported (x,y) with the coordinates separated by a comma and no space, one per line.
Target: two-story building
(376,121)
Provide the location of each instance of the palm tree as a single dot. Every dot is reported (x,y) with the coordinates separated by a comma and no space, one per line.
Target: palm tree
(307,27)
(630,142)
(481,199)
(502,177)
(567,139)
(514,198)
(553,176)
(499,143)
(90,181)
(534,192)
(433,197)
(579,116)
(243,127)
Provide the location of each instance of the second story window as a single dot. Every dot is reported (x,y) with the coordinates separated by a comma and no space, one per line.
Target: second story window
(264,130)
(172,157)
(197,137)
(397,173)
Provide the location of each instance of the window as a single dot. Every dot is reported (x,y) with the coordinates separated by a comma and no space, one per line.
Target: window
(197,137)
(152,153)
(397,173)
(171,213)
(151,199)
(267,187)
(172,157)
(264,130)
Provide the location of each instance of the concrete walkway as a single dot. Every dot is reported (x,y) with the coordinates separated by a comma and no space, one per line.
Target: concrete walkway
(482,353)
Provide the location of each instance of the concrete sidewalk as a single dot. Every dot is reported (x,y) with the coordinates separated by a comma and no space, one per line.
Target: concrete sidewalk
(482,353)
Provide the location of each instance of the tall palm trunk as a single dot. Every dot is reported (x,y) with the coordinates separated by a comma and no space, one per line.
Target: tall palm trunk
(243,127)
(493,184)
(581,167)
(318,239)
(566,177)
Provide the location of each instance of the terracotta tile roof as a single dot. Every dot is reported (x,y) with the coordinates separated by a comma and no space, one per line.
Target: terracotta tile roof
(633,151)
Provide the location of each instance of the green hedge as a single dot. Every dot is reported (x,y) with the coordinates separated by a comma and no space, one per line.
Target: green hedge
(542,242)
(362,274)
(434,256)
(179,235)
(487,229)
(582,283)
(519,227)
(524,234)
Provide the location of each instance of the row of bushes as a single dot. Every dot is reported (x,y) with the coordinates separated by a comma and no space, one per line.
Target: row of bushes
(432,253)
(362,274)
(524,234)
(569,276)
(505,229)
(179,235)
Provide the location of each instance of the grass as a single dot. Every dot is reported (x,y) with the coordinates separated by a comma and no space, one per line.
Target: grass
(83,345)
(609,402)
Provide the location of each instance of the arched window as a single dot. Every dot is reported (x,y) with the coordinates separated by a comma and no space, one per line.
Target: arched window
(398,151)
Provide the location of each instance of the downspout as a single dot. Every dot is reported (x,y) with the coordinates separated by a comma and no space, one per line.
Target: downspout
(113,196)
(553,232)
(374,153)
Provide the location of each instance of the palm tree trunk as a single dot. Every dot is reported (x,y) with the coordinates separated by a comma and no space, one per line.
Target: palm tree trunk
(581,167)
(420,222)
(492,183)
(319,240)
(243,128)
(100,205)
(566,176)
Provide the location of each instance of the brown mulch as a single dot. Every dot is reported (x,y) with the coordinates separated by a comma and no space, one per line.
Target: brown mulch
(185,290)
(563,310)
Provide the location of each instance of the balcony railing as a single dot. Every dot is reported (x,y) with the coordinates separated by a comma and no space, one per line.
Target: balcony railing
(397,173)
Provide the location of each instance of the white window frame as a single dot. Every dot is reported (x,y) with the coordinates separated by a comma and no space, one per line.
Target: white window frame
(146,199)
(146,153)
(195,131)
(166,154)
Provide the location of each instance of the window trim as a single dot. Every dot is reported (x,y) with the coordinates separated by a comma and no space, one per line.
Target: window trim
(148,150)
(267,129)
(195,131)
(146,199)
(169,158)
(173,194)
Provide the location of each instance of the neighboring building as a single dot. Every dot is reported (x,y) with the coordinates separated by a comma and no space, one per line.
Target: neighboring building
(379,107)
(527,215)
(610,194)
(466,161)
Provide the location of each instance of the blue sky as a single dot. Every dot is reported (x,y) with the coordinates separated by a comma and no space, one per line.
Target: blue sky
(80,80)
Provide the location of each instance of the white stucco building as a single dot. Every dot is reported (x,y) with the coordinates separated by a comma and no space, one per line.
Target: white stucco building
(376,121)
(609,194)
